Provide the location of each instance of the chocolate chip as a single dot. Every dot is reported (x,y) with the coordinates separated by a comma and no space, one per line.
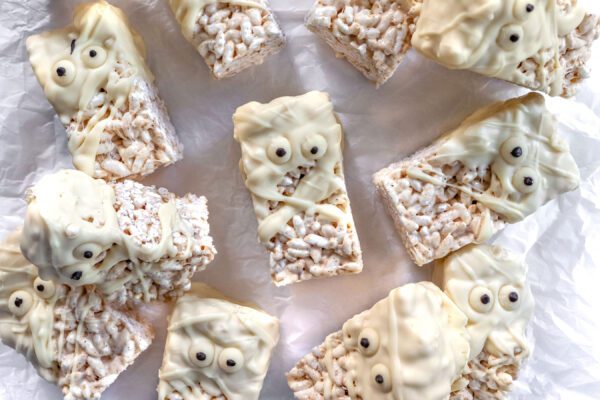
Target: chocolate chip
(314,150)
(528,181)
(61,71)
(517,152)
(513,297)
(485,299)
(200,356)
(230,363)
(76,275)
(280,152)
(364,342)
(379,379)
(18,302)
(514,38)
(40,287)
(93,53)
(73,45)
(530,7)
(88,254)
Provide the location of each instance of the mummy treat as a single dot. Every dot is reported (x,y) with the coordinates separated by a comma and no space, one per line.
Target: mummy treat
(231,35)
(95,75)
(499,166)
(134,242)
(540,44)
(73,337)
(216,348)
(488,284)
(292,165)
(411,345)
(373,35)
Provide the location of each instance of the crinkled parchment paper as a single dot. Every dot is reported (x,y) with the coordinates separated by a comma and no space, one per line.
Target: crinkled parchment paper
(421,101)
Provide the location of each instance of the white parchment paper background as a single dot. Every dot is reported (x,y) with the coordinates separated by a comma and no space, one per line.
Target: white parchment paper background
(421,101)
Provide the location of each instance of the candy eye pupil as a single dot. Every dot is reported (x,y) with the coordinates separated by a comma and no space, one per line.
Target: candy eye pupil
(379,379)
(314,150)
(40,288)
(364,342)
(200,356)
(231,363)
(280,152)
(88,254)
(517,152)
(513,297)
(61,71)
(76,275)
(485,299)
(528,181)
(530,7)
(18,302)
(514,38)
(93,53)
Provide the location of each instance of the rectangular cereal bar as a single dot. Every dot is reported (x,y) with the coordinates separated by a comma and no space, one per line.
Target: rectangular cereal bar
(134,242)
(292,166)
(230,35)
(499,166)
(95,76)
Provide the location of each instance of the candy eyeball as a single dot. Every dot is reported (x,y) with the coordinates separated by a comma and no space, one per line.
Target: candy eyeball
(64,72)
(201,353)
(87,251)
(231,360)
(314,147)
(20,302)
(368,342)
(523,9)
(526,180)
(93,56)
(509,297)
(280,150)
(381,378)
(510,37)
(514,150)
(481,299)
(44,289)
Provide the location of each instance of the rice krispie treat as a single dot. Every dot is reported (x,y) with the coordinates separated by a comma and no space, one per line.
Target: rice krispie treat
(542,45)
(498,167)
(134,242)
(73,337)
(216,348)
(95,75)
(292,166)
(411,345)
(488,284)
(373,35)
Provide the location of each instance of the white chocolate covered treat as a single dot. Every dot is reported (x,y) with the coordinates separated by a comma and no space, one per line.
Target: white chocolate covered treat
(488,284)
(134,242)
(412,346)
(502,164)
(73,337)
(95,76)
(231,35)
(292,166)
(216,348)
(540,44)
(373,35)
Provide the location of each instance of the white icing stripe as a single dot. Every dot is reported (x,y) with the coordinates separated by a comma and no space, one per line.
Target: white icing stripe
(494,37)
(278,138)
(100,52)
(205,323)
(70,214)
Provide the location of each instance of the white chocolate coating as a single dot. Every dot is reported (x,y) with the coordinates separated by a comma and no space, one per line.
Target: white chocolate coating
(187,12)
(488,139)
(204,321)
(71,216)
(100,51)
(27,313)
(482,270)
(296,125)
(492,37)
(417,346)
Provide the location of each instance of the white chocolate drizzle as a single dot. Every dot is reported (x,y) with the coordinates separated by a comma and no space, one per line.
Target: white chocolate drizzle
(491,138)
(292,127)
(204,321)
(498,325)
(187,12)
(493,37)
(100,54)
(71,227)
